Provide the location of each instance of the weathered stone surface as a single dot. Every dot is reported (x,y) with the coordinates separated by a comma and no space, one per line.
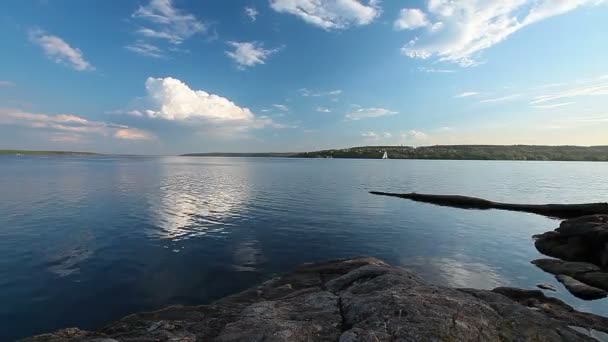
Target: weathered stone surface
(569,268)
(579,289)
(360,299)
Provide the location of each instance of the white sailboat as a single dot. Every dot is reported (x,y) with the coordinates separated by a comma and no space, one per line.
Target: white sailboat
(385,155)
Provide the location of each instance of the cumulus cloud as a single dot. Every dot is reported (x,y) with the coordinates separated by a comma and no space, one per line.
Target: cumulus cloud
(171,99)
(466,94)
(251,13)
(410,18)
(364,113)
(59,51)
(457,31)
(70,127)
(323,110)
(330,14)
(370,135)
(248,54)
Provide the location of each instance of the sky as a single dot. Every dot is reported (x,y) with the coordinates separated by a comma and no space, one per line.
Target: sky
(183,76)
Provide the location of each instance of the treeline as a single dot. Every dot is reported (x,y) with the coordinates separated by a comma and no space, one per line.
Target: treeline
(469,152)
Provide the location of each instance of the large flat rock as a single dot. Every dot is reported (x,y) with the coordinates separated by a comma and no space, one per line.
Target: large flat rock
(360,299)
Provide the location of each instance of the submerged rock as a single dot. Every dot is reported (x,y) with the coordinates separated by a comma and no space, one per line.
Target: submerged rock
(579,289)
(360,299)
(546,287)
(569,268)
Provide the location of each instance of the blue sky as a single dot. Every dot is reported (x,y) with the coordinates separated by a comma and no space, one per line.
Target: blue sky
(168,77)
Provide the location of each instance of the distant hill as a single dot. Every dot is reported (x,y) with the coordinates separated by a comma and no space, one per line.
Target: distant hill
(469,152)
(46,153)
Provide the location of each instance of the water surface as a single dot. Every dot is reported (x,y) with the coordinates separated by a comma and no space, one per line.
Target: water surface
(86,240)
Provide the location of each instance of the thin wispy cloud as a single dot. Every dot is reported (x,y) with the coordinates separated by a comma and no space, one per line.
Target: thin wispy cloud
(164,21)
(280,107)
(249,54)
(251,13)
(68,126)
(458,31)
(323,110)
(312,93)
(436,71)
(366,113)
(59,51)
(466,94)
(554,105)
(501,99)
(331,14)
(6,84)
(146,49)
(585,89)
(161,27)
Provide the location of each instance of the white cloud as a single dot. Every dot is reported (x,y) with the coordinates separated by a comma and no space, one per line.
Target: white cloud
(501,99)
(414,135)
(167,22)
(307,92)
(363,113)
(70,127)
(466,94)
(59,51)
(376,136)
(248,54)
(6,84)
(410,19)
(323,110)
(387,135)
(330,14)
(132,134)
(457,31)
(554,105)
(171,99)
(586,89)
(251,13)
(370,135)
(436,71)
(146,49)
(280,107)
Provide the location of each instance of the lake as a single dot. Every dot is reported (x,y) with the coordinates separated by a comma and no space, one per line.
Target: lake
(87,240)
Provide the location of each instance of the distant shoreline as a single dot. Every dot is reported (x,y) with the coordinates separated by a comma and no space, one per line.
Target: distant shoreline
(437,152)
(444,152)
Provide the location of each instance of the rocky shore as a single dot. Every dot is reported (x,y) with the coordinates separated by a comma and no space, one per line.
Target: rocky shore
(359,299)
(581,248)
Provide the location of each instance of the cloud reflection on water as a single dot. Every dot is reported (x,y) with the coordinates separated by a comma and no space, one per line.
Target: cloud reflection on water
(200,201)
(457,271)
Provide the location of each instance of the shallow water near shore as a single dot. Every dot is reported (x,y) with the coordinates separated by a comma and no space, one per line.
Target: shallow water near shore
(86,240)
